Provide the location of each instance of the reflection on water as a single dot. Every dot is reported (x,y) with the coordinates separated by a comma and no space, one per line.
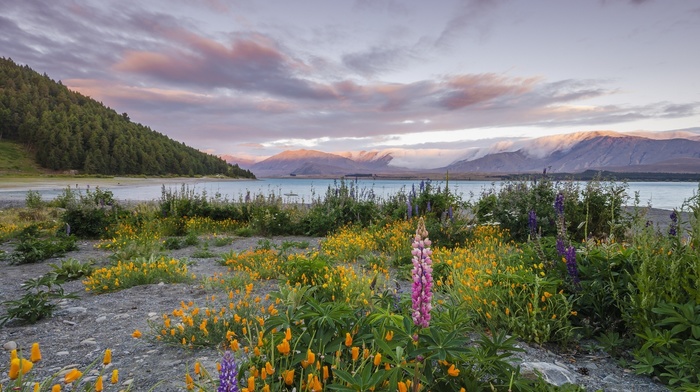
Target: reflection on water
(666,195)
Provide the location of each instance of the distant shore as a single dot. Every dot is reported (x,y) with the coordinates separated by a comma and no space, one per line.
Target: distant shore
(40,183)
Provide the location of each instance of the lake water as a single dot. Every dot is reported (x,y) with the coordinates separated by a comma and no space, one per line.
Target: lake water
(666,195)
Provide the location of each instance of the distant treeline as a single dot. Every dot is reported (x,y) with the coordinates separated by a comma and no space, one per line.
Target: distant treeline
(69,131)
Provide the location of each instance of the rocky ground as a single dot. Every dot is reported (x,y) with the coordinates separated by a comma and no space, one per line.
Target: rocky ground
(81,329)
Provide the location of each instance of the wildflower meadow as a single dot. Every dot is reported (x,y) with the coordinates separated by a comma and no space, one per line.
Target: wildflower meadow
(420,291)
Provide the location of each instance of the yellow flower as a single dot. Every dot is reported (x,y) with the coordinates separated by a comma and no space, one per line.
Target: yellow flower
(189,382)
(56,388)
(197,368)
(348,339)
(19,366)
(288,334)
(268,367)
(115,376)
(136,334)
(310,357)
(234,345)
(389,336)
(13,354)
(266,388)
(288,376)
(98,385)
(251,383)
(72,375)
(37,387)
(377,359)
(284,347)
(108,357)
(355,353)
(402,386)
(325,373)
(36,353)
(453,371)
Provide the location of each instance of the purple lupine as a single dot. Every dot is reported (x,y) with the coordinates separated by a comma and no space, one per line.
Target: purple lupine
(228,376)
(532,222)
(450,213)
(409,209)
(571,267)
(673,228)
(559,204)
(428,207)
(415,208)
(422,186)
(561,247)
(421,289)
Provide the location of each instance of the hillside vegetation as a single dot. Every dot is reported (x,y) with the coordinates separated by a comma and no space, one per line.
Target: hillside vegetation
(65,130)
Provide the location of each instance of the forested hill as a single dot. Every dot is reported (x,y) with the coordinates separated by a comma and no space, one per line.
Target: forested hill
(69,131)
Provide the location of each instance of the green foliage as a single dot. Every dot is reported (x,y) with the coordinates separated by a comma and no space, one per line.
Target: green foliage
(92,214)
(671,350)
(69,131)
(39,301)
(32,247)
(33,200)
(344,203)
(592,211)
(71,269)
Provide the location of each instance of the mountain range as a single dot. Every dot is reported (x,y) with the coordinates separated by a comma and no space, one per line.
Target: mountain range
(665,152)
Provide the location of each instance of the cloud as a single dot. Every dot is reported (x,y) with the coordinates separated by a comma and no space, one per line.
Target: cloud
(376,60)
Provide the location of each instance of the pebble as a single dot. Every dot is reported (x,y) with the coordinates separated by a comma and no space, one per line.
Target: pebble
(76,309)
(69,322)
(101,319)
(62,353)
(9,346)
(89,342)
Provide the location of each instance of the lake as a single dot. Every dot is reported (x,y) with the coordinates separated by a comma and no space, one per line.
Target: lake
(665,195)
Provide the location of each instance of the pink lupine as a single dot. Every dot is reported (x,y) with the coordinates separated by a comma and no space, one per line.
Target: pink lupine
(421,293)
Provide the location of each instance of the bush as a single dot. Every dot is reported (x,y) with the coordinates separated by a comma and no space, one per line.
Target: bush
(92,214)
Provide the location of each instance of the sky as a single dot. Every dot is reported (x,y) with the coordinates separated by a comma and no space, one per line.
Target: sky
(426,80)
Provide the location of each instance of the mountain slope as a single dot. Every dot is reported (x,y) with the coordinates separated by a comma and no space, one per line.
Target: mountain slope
(311,162)
(69,131)
(609,151)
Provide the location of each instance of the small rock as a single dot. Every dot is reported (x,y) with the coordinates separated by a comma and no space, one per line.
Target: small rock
(161,284)
(68,322)
(551,373)
(9,346)
(88,342)
(76,310)
(101,319)
(62,353)
(128,382)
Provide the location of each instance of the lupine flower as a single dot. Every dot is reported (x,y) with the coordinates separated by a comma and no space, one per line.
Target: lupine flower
(428,208)
(450,212)
(228,376)
(673,228)
(559,204)
(561,248)
(532,222)
(571,264)
(421,293)
(409,209)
